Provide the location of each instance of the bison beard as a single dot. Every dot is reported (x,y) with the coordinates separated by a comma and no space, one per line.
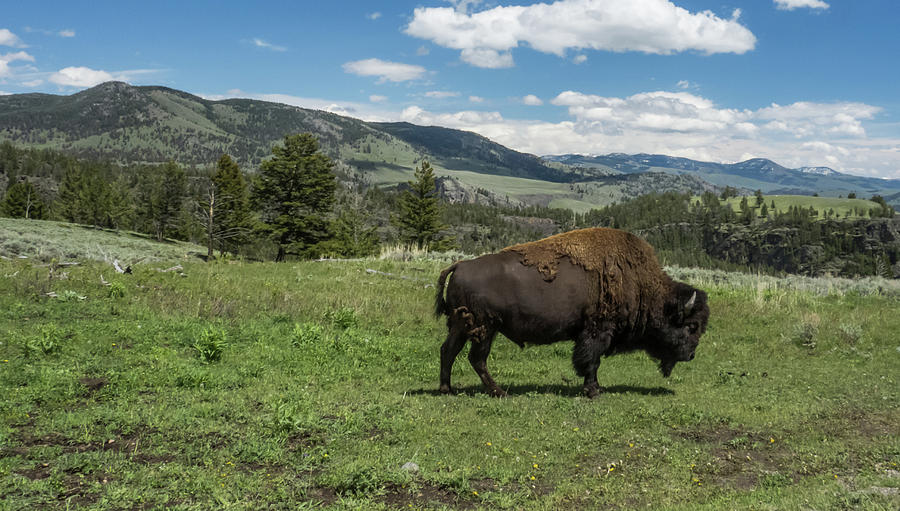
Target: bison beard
(602,288)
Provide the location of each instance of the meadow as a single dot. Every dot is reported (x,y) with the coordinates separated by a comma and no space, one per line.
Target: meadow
(313,385)
(843,208)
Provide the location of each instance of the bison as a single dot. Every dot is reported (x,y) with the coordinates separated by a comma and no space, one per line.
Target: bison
(602,288)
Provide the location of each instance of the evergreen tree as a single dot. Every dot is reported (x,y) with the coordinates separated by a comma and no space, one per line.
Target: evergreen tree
(165,201)
(352,237)
(294,192)
(23,201)
(235,220)
(759,198)
(419,218)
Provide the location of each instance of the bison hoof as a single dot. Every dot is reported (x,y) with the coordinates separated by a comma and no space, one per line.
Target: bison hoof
(445,389)
(497,392)
(592,391)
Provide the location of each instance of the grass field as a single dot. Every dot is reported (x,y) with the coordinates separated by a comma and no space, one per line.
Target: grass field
(840,206)
(45,240)
(310,385)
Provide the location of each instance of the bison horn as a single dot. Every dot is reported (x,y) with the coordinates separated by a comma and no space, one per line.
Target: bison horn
(690,304)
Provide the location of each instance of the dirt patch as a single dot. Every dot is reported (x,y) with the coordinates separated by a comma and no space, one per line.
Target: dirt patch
(741,460)
(322,495)
(422,495)
(93,384)
(41,471)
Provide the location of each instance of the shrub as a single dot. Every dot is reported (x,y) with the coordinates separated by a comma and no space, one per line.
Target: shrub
(49,341)
(116,290)
(850,332)
(342,318)
(305,334)
(211,344)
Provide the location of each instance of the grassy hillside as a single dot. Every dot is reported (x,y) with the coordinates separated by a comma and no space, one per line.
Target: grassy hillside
(842,207)
(303,385)
(44,241)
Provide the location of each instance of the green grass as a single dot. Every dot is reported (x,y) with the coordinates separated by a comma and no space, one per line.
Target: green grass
(45,241)
(822,204)
(291,386)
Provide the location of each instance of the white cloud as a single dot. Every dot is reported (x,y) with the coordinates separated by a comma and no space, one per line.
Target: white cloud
(7,38)
(421,51)
(33,83)
(579,59)
(476,99)
(80,76)
(5,69)
(373,16)
(66,33)
(259,43)
(686,84)
(532,100)
(384,70)
(486,38)
(790,5)
(375,98)
(441,94)
(661,122)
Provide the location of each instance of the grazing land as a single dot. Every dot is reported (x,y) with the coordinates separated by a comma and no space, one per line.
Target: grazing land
(842,208)
(311,384)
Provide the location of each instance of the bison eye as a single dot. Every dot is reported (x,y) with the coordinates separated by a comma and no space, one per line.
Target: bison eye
(693,327)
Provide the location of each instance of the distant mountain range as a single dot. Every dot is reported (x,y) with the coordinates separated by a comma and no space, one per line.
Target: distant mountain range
(757,173)
(152,124)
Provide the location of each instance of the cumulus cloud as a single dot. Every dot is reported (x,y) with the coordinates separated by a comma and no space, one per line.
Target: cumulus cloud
(790,5)
(441,94)
(532,100)
(579,59)
(7,38)
(486,38)
(259,43)
(5,59)
(81,76)
(384,70)
(375,98)
(476,99)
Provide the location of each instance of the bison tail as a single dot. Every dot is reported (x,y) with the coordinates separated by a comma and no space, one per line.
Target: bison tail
(440,307)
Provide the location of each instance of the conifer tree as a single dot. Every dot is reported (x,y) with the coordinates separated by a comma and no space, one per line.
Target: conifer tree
(294,192)
(230,190)
(165,200)
(419,217)
(23,201)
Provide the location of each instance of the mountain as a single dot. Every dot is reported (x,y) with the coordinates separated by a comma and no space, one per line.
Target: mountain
(757,173)
(152,124)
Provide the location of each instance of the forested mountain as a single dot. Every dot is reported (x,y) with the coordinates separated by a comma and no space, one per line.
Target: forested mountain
(754,174)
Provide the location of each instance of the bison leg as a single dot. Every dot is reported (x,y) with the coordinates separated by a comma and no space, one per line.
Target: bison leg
(478,355)
(449,350)
(589,349)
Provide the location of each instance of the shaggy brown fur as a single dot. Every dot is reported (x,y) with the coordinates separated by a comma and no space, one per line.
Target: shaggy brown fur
(632,282)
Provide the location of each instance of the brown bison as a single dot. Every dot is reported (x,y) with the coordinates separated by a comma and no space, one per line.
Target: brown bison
(602,288)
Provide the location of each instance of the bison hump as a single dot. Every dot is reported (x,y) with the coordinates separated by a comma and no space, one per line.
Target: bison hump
(595,249)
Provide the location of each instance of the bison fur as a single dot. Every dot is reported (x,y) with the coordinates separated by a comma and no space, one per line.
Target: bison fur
(602,288)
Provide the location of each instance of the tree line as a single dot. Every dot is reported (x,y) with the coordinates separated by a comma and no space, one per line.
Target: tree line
(292,207)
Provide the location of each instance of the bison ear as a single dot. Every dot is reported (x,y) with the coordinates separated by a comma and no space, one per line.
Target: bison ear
(689,306)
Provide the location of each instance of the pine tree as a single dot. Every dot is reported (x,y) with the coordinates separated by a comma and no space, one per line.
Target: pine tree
(23,201)
(166,201)
(234,220)
(294,192)
(419,217)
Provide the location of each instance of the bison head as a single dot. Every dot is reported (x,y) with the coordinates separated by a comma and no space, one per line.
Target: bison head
(678,332)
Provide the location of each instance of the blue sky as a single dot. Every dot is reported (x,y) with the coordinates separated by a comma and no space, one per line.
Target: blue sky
(803,82)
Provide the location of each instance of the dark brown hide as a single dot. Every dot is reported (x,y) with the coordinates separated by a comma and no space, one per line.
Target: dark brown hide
(622,301)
